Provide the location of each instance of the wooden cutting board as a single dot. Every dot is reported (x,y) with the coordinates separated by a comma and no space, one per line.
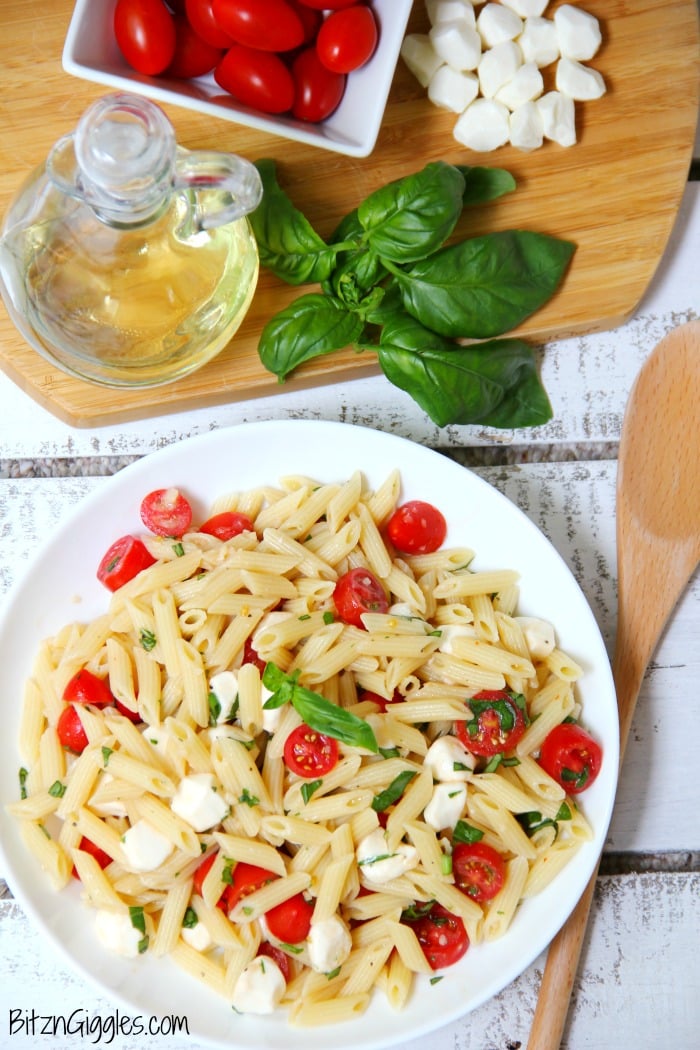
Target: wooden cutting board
(615,193)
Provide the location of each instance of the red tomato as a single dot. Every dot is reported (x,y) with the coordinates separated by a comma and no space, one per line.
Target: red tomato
(126,558)
(571,756)
(166,512)
(327,5)
(380,701)
(133,716)
(269,25)
(278,956)
(309,753)
(251,656)
(102,858)
(258,79)
(417,527)
(347,39)
(200,874)
(193,56)
(246,879)
(200,15)
(310,19)
(356,592)
(86,688)
(497,723)
(290,921)
(479,870)
(317,91)
(145,34)
(227,525)
(441,935)
(70,731)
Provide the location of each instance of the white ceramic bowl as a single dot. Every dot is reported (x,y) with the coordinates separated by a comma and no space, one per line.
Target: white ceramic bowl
(91,52)
(60,587)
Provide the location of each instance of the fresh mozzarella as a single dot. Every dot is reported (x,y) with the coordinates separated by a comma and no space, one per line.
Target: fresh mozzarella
(144,847)
(448,760)
(526,85)
(483,126)
(198,802)
(420,56)
(558,117)
(539,635)
(198,937)
(114,808)
(329,944)
(446,805)
(578,81)
(578,32)
(224,686)
(498,65)
(117,933)
(449,10)
(378,863)
(527,8)
(259,988)
(450,631)
(497,23)
(457,43)
(539,41)
(526,127)
(453,89)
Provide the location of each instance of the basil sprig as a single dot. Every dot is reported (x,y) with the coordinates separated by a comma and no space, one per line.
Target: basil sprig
(317,712)
(392,285)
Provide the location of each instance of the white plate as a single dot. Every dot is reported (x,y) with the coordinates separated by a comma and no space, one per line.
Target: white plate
(60,586)
(91,52)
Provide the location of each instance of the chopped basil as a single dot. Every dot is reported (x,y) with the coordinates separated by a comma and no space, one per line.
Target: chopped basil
(227,873)
(563,813)
(464,832)
(578,778)
(295,949)
(375,858)
(138,918)
(333,973)
(436,980)
(57,789)
(308,788)
(247,799)
(23,774)
(446,863)
(328,617)
(189,919)
(493,763)
(106,752)
(214,708)
(389,752)
(179,550)
(394,792)
(417,911)
(147,639)
(305,616)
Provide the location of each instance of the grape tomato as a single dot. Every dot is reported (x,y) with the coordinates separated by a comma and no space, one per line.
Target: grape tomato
(145,34)
(270,26)
(258,79)
(193,56)
(200,15)
(317,90)
(347,39)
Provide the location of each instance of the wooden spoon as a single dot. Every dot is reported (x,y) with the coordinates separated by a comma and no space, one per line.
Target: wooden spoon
(658,549)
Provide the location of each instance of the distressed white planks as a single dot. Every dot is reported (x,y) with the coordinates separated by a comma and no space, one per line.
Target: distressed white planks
(588,379)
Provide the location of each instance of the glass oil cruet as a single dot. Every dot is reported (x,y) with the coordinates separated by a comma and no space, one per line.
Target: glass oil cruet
(125,259)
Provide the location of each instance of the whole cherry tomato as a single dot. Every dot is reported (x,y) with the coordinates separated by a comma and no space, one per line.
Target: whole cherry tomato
(290,921)
(497,723)
(416,527)
(258,79)
(317,91)
(327,5)
(193,56)
(571,756)
(166,512)
(356,592)
(311,19)
(200,15)
(145,34)
(347,39)
(309,753)
(70,731)
(126,557)
(479,870)
(87,688)
(269,25)
(227,524)
(441,934)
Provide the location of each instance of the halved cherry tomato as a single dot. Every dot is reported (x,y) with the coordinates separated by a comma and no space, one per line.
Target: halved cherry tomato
(309,753)
(133,716)
(193,57)
(278,956)
(497,724)
(251,656)
(246,878)
(380,701)
(417,527)
(199,876)
(126,558)
(272,25)
(258,79)
(88,846)
(317,91)
(70,731)
(356,592)
(166,512)
(290,921)
(347,39)
(145,34)
(200,15)
(479,870)
(227,524)
(441,935)
(571,756)
(87,688)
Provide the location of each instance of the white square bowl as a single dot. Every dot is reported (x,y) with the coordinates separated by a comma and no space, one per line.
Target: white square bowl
(91,52)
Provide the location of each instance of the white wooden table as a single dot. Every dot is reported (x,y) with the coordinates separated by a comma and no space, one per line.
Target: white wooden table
(639,979)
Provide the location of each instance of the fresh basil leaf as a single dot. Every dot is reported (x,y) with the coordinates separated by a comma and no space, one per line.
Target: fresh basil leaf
(308,788)
(287,243)
(326,717)
(494,383)
(393,792)
(413,216)
(464,832)
(309,327)
(485,286)
(485,184)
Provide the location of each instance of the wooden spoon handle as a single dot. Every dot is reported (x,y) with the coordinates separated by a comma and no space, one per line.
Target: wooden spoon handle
(559,974)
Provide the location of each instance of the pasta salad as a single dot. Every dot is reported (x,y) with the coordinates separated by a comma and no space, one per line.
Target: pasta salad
(308,751)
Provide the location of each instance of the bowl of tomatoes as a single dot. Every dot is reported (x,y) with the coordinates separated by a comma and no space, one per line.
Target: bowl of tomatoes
(314,71)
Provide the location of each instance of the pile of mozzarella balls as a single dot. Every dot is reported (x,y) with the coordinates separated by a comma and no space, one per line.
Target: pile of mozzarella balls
(484,62)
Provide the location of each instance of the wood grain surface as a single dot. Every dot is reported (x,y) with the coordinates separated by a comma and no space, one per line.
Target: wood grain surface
(615,193)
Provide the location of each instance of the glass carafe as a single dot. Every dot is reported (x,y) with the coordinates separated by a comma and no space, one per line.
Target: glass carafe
(125,259)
